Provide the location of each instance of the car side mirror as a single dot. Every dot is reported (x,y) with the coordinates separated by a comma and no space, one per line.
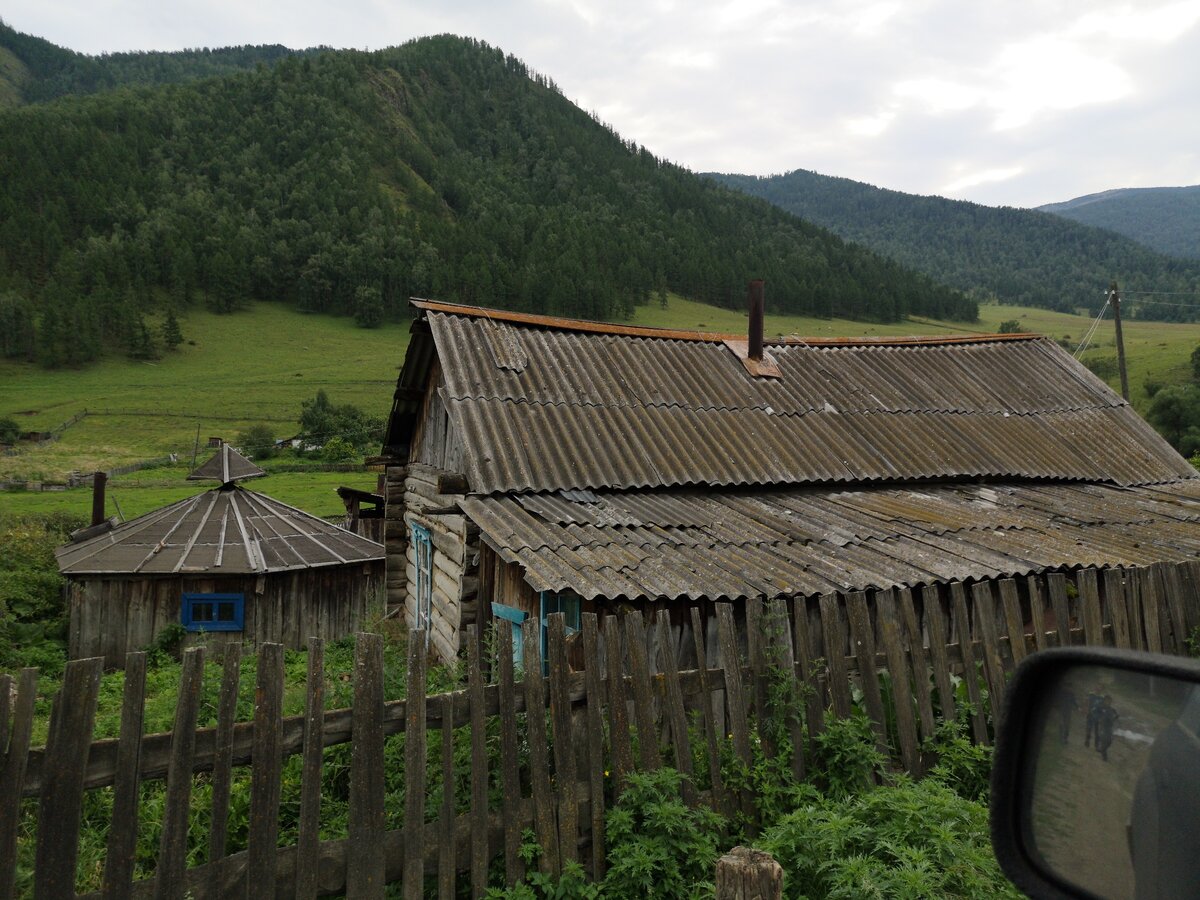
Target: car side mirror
(1096,776)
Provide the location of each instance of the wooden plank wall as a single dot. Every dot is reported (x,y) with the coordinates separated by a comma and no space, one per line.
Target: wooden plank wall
(834,648)
(110,617)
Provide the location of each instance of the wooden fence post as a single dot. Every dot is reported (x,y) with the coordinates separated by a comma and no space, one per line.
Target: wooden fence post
(12,777)
(72,720)
(122,832)
(170,875)
(364,860)
(746,874)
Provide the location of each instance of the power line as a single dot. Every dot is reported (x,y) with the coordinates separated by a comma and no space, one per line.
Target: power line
(1087,338)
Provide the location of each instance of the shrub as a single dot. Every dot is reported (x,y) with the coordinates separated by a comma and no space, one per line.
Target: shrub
(845,756)
(10,431)
(1010,326)
(657,846)
(258,441)
(905,840)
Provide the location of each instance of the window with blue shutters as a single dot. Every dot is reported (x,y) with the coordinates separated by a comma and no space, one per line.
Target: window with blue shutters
(423,589)
(213,612)
(517,617)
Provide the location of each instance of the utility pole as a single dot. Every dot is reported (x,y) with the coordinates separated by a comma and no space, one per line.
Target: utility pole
(1114,297)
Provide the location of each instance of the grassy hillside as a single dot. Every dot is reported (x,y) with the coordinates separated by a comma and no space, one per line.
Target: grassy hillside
(1166,219)
(258,365)
(230,373)
(1017,256)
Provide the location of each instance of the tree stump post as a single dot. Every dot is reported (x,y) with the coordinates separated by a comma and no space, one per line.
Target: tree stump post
(746,874)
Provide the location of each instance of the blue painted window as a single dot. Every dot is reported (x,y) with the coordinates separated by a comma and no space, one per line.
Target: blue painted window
(517,617)
(570,604)
(423,589)
(213,612)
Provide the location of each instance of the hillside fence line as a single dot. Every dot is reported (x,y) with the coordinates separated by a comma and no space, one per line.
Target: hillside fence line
(783,664)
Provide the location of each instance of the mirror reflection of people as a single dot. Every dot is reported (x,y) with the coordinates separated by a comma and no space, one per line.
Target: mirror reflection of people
(1094,701)
(1164,840)
(1106,720)
(1067,704)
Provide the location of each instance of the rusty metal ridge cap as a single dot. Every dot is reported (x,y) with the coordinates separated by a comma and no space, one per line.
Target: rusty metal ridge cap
(710,337)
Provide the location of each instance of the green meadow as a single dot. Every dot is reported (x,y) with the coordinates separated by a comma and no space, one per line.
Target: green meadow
(259,365)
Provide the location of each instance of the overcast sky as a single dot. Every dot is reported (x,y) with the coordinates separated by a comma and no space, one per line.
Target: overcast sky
(1018,102)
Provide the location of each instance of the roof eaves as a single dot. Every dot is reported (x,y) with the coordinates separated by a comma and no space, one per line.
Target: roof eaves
(670,334)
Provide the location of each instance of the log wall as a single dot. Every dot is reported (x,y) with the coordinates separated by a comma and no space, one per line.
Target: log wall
(110,617)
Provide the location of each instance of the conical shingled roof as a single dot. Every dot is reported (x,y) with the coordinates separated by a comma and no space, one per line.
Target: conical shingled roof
(226,531)
(226,466)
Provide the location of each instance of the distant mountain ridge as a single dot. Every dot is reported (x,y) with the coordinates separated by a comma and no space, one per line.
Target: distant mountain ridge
(1017,256)
(33,70)
(345,182)
(1166,219)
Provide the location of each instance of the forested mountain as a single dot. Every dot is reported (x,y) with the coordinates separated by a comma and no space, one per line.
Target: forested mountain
(33,70)
(1018,256)
(1166,219)
(348,181)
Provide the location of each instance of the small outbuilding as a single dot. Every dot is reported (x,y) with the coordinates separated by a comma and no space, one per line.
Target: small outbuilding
(230,564)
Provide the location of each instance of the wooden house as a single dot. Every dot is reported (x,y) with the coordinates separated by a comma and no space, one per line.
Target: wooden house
(538,464)
(231,564)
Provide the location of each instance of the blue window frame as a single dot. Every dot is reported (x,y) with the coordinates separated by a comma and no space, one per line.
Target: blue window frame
(213,612)
(423,594)
(517,617)
(570,604)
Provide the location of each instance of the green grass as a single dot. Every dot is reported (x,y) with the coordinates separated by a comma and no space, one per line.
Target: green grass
(258,365)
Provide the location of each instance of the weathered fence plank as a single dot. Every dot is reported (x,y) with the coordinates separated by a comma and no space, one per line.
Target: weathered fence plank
(447,842)
(549,861)
(308,837)
(756,656)
(781,658)
(984,602)
(1036,590)
(914,640)
(862,634)
(1057,584)
(365,858)
(12,774)
(1089,605)
(514,866)
(479,767)
(1010,599)
(222,776)
(962,621)
(902,692)
(122,832)
(673,705)
(413,871)
(618,709)
(1114,596)
(939,637)
(1173,591)
(834,635)
(72,720)
(810,684)
(720,799)
(172,848)
(735,700)
(594,723)
(1151,602)
(1133,609)
(643,693)
(265,775)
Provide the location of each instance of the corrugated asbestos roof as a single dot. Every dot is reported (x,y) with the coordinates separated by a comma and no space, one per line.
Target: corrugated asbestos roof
(226,466)
(693,543)
(544,404)
(228,531)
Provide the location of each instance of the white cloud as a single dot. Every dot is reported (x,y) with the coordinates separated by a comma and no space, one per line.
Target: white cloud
(974,179)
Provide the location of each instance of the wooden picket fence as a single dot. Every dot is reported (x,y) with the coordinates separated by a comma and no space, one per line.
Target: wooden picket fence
(557,771)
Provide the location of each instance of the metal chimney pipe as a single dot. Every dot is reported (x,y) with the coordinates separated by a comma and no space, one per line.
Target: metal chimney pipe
(99,480)
(755,299)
